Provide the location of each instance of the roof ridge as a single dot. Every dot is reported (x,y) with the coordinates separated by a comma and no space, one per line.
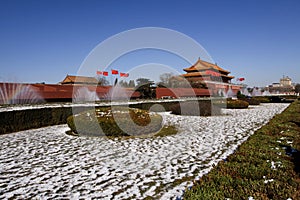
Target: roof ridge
(79,76)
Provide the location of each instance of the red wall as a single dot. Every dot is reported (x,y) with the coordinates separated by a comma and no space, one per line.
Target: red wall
(55,92)
(52,92)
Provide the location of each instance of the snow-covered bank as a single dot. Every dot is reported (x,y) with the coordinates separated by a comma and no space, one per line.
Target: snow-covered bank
(46,162)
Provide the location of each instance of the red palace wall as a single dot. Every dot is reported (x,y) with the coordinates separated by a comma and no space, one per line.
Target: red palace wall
(53,92)
(56,92)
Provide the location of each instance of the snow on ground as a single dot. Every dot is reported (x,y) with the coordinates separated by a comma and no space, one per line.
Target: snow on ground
(46,163)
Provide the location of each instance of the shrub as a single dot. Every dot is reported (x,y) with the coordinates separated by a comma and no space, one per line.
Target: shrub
(251,101)
(195,108)
(239,95)
(275,99)
(116,122)
(262,99)
(237,104)
(290,97)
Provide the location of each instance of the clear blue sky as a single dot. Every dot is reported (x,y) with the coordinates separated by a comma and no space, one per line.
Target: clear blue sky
(42,41)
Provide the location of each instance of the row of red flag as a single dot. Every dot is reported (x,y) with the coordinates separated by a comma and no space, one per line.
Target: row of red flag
(113,72)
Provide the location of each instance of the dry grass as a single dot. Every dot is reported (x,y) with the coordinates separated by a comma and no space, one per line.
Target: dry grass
(267,166)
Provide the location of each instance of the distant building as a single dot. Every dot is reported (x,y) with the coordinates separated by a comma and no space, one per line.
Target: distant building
(286,81)
(284,86)
(79,80)
(275,85)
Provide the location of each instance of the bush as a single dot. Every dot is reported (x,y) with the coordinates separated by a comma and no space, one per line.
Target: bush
(18,120)
(116,122)
(237,104)
(239,95)
(251,101)
(262,99)
(205,108)
(289,96)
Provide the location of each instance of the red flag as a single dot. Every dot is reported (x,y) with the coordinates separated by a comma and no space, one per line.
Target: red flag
(98,72)
(124,74)
(114,71)
(241,79)
(105,73)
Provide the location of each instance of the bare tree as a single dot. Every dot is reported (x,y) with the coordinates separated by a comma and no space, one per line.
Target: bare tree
(102,81)
(131,84)
(165,79)
(123,83)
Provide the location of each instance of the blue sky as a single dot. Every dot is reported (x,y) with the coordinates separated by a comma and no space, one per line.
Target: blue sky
(42,41)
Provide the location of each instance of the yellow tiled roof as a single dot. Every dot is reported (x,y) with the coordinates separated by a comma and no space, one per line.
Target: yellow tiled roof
(201,65)
(79,79)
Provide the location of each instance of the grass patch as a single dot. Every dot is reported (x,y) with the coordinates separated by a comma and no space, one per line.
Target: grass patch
(166,131)
(236,104)
(119,121)
(134,122)
(266,166)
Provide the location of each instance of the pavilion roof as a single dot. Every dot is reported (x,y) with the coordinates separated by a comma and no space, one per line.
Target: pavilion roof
(202,74)
(79,80)
(201,65)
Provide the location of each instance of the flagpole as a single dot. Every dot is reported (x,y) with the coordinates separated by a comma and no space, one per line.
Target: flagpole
(111,82)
